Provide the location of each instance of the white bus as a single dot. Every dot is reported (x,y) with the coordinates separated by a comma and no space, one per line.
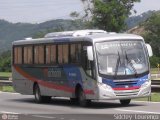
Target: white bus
(83,65)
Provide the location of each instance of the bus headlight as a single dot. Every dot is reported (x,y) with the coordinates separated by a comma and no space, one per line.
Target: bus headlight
(147,83)
(105,86)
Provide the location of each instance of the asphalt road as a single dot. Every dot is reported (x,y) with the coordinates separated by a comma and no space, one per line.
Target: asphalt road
(23,107)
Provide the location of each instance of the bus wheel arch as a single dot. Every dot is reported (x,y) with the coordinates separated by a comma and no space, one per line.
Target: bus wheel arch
(38,97)
(80,95)
(78,86)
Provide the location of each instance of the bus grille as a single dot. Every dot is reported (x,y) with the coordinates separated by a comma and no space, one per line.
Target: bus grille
(126,92)
(125,82)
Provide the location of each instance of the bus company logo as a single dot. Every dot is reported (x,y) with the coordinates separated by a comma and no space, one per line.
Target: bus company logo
(126,86)
(4,116)
(72,74)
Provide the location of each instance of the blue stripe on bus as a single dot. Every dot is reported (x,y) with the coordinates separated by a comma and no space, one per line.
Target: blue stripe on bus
(73,74)
(139,82)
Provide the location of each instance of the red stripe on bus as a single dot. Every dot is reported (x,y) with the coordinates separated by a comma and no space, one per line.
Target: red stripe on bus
(48,84)
(131,88)
(55,86)
(88,92)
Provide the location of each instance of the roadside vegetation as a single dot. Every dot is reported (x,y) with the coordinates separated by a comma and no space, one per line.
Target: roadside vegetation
(155,71)
(5,62)
(5,74)
(6,89)
(155,97)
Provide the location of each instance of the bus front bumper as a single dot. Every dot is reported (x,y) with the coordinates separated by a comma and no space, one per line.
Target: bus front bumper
(106,92)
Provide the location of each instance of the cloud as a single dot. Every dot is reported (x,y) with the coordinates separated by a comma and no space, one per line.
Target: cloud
(146,5)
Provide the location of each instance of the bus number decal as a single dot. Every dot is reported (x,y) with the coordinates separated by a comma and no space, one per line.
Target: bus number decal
(54,73)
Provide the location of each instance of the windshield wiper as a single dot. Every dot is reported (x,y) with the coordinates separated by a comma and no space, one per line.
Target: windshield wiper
(117,65)
(131,64)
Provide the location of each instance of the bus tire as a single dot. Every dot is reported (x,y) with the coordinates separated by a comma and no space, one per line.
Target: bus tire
(38,97)
(74,100)
(125,102)
(83,102)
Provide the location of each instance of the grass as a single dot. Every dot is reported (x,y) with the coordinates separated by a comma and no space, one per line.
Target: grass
(155,97)
(5,74)
(154,71)
(6,89)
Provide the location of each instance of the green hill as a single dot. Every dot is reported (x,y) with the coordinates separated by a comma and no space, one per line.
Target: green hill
(136,20)
(10,32)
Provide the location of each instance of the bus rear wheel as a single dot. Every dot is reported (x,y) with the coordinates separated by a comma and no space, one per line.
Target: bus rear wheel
(125,102)
(82,98)
(38,97)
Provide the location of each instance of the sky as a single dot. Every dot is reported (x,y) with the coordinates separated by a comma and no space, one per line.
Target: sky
(146,5)
(36,11)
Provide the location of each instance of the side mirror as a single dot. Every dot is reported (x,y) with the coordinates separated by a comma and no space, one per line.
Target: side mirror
(149,48)
(90,53)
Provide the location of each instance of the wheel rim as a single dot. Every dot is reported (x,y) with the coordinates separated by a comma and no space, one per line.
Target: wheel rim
(37,94)
(82,97)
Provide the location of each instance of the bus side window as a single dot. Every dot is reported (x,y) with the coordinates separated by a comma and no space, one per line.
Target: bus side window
(36,54)
(50,54)
(39,54)
(30,55)
(65,53)
(18,55)
(78,53)
(60,54)
(28,58)
(75,53)
(72,53)
(25,55)
(53,55)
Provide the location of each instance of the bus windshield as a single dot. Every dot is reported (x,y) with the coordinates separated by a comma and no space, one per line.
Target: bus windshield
(121,58)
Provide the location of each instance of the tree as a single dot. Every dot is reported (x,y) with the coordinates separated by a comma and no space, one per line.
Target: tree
(5,61)
(109,15)
(152,36)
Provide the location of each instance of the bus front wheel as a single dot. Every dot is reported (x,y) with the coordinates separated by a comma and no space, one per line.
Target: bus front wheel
(38,97)
(82,98)
(125,102)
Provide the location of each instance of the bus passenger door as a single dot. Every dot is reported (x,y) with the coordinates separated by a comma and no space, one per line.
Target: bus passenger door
(88,66)
(89,80)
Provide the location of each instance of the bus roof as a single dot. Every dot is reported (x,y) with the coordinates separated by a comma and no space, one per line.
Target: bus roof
(91,38)
(75,33)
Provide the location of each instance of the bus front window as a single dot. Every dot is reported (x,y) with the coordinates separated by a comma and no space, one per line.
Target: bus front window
(121,58)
